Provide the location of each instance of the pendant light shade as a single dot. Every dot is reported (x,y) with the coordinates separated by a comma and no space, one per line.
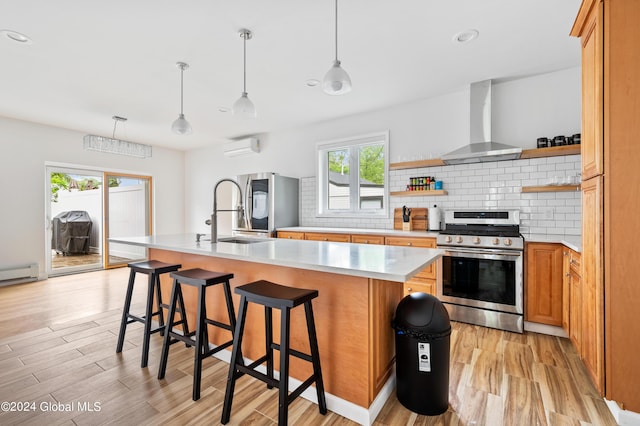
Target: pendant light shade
(181,126)
(243,107)
(336,80)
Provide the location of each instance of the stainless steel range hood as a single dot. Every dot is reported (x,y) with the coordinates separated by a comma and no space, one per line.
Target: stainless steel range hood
(481,148)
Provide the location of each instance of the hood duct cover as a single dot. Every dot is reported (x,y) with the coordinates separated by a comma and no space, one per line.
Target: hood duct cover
(481,148)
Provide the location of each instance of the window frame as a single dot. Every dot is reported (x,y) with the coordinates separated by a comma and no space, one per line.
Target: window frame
(353,144)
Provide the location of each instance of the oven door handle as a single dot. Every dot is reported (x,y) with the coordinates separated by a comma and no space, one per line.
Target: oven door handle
(514,253)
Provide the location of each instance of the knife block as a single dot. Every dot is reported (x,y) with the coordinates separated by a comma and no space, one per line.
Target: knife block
(407,226)
(418,219)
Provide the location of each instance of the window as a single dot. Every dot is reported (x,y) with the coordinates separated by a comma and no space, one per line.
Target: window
(352,176)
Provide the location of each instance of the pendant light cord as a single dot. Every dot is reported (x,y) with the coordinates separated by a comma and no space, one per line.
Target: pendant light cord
(336,30)
(244,44)
(181,89)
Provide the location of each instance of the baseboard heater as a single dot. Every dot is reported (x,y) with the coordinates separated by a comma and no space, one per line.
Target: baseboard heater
(18,274)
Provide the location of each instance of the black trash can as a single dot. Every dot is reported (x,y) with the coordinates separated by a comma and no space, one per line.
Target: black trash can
(423,333)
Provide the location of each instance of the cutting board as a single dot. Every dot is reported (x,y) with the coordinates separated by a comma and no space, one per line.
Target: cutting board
(418,218)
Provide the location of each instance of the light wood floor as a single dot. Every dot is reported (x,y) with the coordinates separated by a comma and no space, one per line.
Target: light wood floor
(57,352)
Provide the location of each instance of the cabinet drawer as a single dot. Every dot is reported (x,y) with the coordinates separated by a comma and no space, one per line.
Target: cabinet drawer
(415,285)
(411,242)
(340,238)
(430,271)
(367,239)
(291,235)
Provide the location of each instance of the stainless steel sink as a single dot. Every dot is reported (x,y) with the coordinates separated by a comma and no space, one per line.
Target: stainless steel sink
(236,240)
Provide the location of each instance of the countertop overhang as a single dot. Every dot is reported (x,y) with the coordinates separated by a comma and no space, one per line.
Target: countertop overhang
(390,263)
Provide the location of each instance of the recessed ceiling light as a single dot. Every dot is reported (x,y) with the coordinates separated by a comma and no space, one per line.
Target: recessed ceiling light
(16,36)
(223,109)
(465,36)
(312,82)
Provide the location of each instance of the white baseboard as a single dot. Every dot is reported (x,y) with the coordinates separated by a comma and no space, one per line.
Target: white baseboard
(351,411)
(623,417)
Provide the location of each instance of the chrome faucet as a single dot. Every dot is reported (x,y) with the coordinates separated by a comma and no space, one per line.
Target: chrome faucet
(214,216)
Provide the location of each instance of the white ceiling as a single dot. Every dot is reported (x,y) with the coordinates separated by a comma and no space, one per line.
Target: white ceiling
(90,60)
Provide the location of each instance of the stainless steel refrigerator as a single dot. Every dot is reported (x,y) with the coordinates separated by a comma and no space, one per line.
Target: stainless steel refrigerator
(270,202)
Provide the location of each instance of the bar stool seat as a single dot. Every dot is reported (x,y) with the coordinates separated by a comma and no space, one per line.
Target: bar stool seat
(152,268)
(201,279)
(275,296)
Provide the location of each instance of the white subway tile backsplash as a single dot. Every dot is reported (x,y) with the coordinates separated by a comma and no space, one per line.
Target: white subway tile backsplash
(480,185)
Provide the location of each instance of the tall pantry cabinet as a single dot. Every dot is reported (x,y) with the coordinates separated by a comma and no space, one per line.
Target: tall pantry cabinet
(610,340)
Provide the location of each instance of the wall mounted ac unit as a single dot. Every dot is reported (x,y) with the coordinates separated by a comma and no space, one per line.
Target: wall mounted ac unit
(241,147)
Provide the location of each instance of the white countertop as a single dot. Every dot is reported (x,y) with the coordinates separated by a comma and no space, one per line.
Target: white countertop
(383,262)
(393,232)
(574,242)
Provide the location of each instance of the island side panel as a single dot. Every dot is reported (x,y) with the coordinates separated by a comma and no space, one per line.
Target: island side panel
(341,313)
(384,297)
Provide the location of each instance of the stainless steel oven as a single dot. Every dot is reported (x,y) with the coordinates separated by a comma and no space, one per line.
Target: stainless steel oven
(481,281)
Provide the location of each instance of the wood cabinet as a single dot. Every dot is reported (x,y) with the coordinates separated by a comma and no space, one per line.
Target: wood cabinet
(592,91)
(574,283)
(291,235)
(338,238)
(611,197)
(425,280)
(367,239)
(592,297)
(420,285)
(566,293)
(543,283)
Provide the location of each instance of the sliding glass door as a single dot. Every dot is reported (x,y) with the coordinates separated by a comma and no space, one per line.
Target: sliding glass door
(127,204)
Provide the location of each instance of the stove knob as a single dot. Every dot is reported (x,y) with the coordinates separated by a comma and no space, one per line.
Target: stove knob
(476,240)
(458,239)
(507,242)
(496,241)
(448,239)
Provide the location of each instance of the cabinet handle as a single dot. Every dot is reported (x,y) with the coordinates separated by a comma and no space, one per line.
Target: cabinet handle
(408,244)
(326,239)
(289,237)
(366,241)
(409,289)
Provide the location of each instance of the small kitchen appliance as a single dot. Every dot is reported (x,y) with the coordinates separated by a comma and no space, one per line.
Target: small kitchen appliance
(481,281)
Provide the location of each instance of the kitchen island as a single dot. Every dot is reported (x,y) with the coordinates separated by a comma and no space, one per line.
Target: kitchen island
(359,288)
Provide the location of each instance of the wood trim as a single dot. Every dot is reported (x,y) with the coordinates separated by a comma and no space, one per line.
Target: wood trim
(416,164)
(553,151)
(551,188)
(418,193)
(384,297)
(581,19)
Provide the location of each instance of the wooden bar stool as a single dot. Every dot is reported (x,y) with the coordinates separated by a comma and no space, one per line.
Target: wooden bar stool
(201,279)
(153,269)
(274,296)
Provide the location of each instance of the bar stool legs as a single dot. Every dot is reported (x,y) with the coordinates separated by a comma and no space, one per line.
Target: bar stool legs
(282,298)
(200,337)
(153,269)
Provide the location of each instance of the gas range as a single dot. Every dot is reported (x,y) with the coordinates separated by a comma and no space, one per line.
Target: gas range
(480,281)
(488,229)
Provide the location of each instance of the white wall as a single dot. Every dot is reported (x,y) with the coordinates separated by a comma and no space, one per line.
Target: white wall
(523,110)
(24,149)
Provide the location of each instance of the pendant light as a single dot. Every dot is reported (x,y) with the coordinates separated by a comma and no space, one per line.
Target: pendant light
(244,107)
(181,126)
(336,81)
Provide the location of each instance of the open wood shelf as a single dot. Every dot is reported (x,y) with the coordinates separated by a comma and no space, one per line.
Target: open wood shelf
(553,151)
(418,193)
(416,164)
(551,188)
